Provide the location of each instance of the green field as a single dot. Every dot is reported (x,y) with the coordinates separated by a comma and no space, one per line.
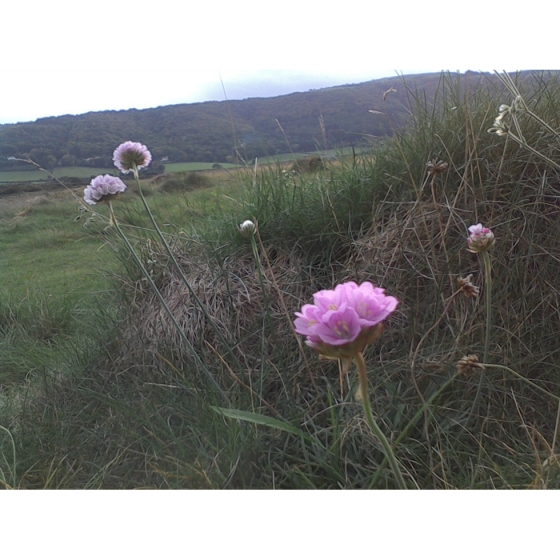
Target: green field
(87,172)
(299,155)
(193,166)
(37,175)
(158,350)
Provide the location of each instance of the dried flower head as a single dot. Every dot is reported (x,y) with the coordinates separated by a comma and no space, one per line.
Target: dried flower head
(387,92)
(437,167)
(469,289)
(480,239)
(499,125)
(247,228)
(129,154)
(343,321)
(103,188)
(469,365)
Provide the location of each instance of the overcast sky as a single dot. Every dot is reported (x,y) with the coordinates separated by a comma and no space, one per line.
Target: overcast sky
(60,58)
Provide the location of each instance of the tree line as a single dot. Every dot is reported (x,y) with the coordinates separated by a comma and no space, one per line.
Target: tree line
(219,131)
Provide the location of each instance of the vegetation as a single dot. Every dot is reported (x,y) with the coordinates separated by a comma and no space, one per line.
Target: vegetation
(131,404)
(229,130)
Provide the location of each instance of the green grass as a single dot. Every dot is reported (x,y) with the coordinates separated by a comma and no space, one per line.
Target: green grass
(125,404)
(87,172)
(332,153)
(193,166)
(37,175)
(51,278)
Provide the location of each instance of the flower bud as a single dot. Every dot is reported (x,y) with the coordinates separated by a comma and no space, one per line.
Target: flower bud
(480,239)
(247,228)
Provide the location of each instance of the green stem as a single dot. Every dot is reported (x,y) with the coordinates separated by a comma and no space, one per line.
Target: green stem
(389,454)
(266,306)
(519,376)
(525,145)
(412,423)
(14,478)
(178,267)
(488,281)
(259,271)
(164,303)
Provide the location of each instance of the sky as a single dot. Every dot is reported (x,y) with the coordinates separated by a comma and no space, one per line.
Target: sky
(112,54)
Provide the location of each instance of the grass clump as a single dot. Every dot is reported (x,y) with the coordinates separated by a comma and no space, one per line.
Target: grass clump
(145,415)
(184,182)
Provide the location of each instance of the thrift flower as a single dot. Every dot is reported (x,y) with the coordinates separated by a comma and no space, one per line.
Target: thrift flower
(130,153)
(103,188)
(343,321)
(339,325)
(247,228)
(480,239)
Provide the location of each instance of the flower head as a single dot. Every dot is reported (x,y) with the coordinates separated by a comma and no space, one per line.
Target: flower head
(480,239)
(343,321)
(247,228)
(468,288)
(437,167)
(130,153)
(469,365)
(103,188)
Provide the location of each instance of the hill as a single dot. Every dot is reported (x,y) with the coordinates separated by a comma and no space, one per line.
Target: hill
(219,131)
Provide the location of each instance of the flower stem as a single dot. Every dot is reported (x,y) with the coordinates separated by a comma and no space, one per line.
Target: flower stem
(519,376)
(412,423)
(179,269)
(164,304)
(362,372)
(259,271)
(488,282)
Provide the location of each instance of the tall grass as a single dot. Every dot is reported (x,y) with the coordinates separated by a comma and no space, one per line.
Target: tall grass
(134,411)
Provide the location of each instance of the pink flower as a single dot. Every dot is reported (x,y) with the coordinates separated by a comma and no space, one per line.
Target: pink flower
(130,153)
(343,321)
(371,304)
(480,239)
(338,326)
(102,188)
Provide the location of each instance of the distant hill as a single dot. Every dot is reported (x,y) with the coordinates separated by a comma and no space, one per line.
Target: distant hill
(218,131)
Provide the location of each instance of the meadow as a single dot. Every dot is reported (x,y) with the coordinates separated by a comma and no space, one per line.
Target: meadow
(87,172)
(58,172)
(134,359)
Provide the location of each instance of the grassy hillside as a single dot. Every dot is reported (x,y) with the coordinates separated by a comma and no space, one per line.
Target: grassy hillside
(238,130)
(225,395)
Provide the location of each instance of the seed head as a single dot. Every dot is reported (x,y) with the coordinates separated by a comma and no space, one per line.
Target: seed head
(469,365)
(469,289)
(437,167)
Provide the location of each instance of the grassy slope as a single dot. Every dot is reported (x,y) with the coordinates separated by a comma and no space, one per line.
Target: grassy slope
(138,413)
(49,279)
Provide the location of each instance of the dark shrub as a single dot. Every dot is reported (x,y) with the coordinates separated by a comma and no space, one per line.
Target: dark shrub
(185,181)
(308,165)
